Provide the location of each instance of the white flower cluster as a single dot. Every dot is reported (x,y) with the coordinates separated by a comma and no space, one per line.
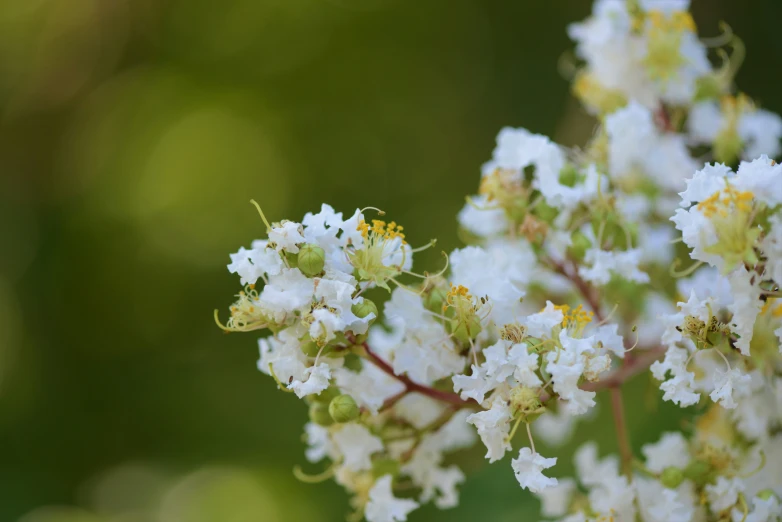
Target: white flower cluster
(571,283)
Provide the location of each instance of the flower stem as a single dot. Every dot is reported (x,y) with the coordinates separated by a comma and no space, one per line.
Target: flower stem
(622,437)
(412,386)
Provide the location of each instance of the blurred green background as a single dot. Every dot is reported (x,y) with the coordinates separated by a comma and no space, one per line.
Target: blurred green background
(133,134)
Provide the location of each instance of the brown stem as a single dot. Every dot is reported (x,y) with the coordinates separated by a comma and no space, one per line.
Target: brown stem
(622,436)
(624,373)
(411,386)
(585,289)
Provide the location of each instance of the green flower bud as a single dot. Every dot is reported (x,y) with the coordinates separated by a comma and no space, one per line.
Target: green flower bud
(434,299)
(766,494)
(311,259)
(293,259)
(579,244)
(672,477)
(570,175)
(319,414)
(326,396)
(310,348)
(343,409)
(698,471)
(382,467)
(466,329)
(364,308)
(353,362)
(708,87)
(727,146)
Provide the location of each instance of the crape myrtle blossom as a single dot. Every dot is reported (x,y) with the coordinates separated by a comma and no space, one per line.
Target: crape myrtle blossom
(655,248)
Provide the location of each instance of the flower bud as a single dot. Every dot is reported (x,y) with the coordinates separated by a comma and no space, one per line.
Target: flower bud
(364,308)
(672,477)
(580,243)
(434,298)
(708,87)
(326,395)
(766,494)
(466,329)
(698,471)
(310,348)
(727,146)
(319,414)
(311,260)
(343,409)
(292,259)
(353,362)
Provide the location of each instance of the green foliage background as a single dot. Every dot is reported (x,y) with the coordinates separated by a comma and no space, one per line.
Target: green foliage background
(132,136)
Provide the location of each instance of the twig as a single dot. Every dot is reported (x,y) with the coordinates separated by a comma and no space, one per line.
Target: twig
(586,290)
(411,386)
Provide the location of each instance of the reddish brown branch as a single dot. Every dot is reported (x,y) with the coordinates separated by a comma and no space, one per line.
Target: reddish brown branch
(411,386)
(587,291)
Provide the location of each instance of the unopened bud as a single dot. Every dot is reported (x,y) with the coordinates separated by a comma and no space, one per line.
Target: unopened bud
(698,471)
(319,414)
(343,409)
(364,308)
(326,396)
(434,298)
(672,477)
(765,494)
(466,329)
(311,260)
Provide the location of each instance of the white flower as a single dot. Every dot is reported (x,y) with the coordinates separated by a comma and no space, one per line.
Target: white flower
(474,386)
(289,292)
(610,340)
(482,218)
(762,177)
(524,365)
(566,367)
(252,264)
(764,510)
(679,388)
(370,387)
(319,445)
(541,323)
(728,383)
(760,130)
(316,379)
(724,494)
(528,468)
(670,451)
(351,235)
(493,427)
(555,500)
(745,307)
(631,132)
(659,504)
(772,248)
(495,273)
(356,445)
(287,236)
(383,506)
(419,410)
(601,264)
(284,357)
